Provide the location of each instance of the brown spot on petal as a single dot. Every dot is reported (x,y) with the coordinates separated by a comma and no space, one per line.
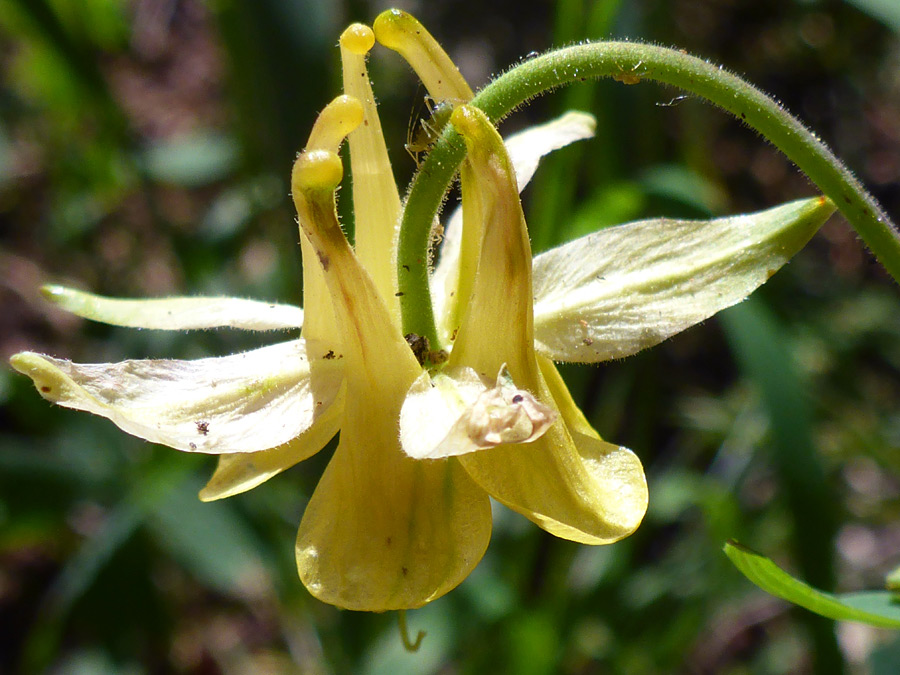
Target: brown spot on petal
(46,389)
(202,427)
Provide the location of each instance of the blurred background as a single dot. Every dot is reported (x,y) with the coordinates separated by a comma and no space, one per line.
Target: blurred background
(145,147)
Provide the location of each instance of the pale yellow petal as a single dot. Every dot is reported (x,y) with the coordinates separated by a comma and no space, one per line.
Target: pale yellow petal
(336,120)
(383,531)
(615,468)
(623,289)
(497,321)
(525,148)
(183,313)
(373,348)
(239,403)
(572,484)
(237,473)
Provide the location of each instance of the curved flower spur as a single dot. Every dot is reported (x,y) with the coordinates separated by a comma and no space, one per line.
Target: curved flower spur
(402,513)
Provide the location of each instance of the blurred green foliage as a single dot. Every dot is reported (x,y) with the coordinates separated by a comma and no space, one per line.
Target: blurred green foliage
(144,150)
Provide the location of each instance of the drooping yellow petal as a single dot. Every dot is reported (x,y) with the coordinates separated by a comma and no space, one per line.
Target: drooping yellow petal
(371,343)
(525,149)
(568,481)
(382,531)
(376,201)
(574,486)
(186,313)
(496,325)
(237,473)
(621,486)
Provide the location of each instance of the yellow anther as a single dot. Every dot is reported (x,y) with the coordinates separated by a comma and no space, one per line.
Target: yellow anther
(358,38)
(338,119)
(316,170)
(402,32)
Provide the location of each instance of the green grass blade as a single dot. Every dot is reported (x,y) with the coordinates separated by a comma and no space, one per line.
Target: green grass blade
(876,608)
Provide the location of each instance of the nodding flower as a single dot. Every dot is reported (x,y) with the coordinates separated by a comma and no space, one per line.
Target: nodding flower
(428,432)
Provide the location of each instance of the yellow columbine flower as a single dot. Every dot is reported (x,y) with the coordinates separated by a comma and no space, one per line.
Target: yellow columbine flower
(402,513)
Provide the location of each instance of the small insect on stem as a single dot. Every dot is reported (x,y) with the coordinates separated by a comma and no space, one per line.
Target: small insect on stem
(423,352)
(424,132)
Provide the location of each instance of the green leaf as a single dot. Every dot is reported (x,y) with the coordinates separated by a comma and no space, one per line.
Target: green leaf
(876,608)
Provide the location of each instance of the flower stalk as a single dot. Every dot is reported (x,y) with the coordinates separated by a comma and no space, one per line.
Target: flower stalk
(629,62)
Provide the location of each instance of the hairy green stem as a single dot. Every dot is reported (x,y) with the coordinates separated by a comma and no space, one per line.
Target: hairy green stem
(627,62)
